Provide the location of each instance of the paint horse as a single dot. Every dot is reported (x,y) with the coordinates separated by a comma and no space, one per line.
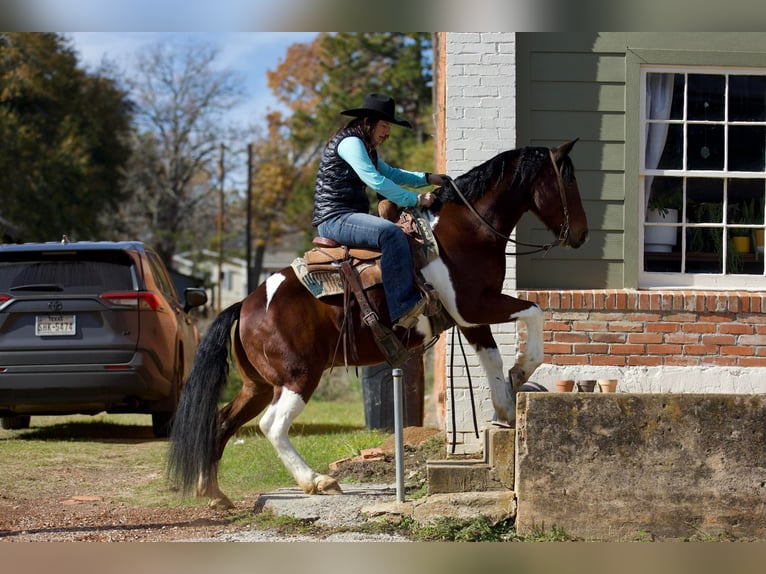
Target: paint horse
(284,338)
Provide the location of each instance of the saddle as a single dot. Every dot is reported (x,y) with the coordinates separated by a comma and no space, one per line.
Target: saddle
(330,268)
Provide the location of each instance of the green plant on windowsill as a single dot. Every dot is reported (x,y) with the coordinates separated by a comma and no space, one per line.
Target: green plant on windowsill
(662,200)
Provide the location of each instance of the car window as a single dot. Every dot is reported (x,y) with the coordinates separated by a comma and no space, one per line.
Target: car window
(161,276)
(82,272)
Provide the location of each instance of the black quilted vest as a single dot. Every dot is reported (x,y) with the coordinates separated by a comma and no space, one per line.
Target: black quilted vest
(338,188)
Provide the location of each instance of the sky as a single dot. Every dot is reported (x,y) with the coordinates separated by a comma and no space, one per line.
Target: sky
(249,54)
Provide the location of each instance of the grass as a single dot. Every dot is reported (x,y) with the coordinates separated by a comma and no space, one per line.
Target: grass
(68,455)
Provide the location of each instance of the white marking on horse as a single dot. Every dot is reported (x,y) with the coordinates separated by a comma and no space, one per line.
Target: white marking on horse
(533,357)
(437,274)
(275,424)
(500,389)
(272,284)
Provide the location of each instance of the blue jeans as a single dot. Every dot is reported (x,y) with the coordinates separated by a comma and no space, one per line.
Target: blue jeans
(371,231)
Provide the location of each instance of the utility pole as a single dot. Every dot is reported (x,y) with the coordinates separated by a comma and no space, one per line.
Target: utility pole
(221,174)
(249,224)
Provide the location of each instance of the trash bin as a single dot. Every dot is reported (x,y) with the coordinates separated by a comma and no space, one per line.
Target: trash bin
(378,393)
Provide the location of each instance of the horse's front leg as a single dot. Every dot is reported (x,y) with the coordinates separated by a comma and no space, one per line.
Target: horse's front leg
(275,424)
(487,309)
(501,391)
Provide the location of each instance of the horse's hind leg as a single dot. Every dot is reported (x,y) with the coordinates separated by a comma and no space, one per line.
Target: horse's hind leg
(275,424)
(252,398)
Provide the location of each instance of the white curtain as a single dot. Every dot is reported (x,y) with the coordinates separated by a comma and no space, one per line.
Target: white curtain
(659,97)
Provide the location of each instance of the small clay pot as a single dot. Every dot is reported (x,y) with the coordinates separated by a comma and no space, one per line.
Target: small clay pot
(607,385)
(586,386)
(565,385)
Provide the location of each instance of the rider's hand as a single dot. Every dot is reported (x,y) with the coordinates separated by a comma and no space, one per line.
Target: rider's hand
(438,179)
(426,199)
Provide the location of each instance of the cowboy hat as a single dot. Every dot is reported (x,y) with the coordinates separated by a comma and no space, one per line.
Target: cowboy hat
(378,106)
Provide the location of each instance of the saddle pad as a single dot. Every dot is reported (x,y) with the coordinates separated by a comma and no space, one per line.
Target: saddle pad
(321,255)
(325,283)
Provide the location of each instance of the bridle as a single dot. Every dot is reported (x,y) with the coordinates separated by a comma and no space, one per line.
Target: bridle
(563,234)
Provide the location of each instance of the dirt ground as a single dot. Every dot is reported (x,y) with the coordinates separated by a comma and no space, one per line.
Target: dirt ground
(98,518)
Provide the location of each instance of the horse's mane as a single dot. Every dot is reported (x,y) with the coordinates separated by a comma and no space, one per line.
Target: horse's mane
(475,182)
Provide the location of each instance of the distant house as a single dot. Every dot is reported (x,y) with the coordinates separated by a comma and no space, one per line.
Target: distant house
(233,281)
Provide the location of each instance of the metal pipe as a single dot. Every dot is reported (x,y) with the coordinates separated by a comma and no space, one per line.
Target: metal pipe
(398,431)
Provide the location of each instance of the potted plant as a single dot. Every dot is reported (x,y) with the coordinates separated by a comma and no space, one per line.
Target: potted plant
(663,207)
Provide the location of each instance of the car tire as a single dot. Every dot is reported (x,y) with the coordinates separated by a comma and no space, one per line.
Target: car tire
(16,422)
(161,424)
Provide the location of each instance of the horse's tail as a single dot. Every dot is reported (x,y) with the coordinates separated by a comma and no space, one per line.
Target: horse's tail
(193,445)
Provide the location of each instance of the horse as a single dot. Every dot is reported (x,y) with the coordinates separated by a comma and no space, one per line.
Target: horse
(285,338)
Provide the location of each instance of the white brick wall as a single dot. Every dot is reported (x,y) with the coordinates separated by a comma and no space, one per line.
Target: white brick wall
(480,123)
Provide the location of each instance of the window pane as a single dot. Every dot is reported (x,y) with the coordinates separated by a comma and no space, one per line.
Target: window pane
(747,147)
(704,200)
(745,199)
(747,98)
(673,153)
(705,147)
(704,246)
(706,97)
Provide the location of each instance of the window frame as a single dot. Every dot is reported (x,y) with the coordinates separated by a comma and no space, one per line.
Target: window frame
(638,64)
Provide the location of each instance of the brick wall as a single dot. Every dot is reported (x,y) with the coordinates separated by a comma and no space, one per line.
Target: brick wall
(624,328)
(480,122)
(654,341)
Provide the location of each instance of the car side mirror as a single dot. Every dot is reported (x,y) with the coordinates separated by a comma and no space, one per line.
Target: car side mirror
(194,297)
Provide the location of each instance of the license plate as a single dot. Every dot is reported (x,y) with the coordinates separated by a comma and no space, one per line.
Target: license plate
(54,325)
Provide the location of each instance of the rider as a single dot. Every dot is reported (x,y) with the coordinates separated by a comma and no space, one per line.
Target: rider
(341,208)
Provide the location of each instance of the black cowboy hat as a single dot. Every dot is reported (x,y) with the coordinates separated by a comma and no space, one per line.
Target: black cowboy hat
(378,106)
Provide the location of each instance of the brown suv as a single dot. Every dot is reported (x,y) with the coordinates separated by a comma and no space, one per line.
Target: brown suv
(87,327)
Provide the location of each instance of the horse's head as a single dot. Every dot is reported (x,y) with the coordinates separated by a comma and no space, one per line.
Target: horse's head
(556,198)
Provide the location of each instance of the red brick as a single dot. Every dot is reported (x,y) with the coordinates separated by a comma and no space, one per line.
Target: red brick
(570,337)
(557,348)
(733,350)
(591,348)
(589,325)
(645,338)
(736,329)
(701,350)
(626,327)
(644,361)
(608,360)
(626,349)
(718,340)
(717,361)
(608,337)
(752,361)
(664,349)
(569,360)
(682,338)
(663,327)
(698,328)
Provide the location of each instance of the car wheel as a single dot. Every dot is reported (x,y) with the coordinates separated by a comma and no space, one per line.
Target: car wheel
(161,424)
(15,423)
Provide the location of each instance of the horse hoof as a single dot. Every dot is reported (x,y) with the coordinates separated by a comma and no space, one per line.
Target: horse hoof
(327,485)
(221,503)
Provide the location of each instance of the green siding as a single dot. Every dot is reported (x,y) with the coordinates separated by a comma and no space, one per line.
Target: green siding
(586,85)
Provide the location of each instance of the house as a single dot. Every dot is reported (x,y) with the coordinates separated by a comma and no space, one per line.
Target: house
(676,120)
(233,284)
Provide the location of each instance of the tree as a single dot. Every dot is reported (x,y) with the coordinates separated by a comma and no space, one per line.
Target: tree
(333,72)
(181,101)
(63,140)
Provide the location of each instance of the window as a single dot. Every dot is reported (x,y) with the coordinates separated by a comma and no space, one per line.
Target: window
(703,176)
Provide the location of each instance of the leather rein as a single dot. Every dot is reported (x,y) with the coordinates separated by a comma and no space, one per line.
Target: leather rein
(563,235)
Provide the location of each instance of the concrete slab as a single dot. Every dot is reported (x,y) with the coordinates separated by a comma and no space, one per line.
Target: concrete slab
(642,466)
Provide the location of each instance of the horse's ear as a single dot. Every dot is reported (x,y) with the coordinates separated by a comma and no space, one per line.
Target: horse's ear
(564,149)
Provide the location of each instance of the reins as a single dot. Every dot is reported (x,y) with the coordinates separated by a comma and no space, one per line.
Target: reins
(563,235)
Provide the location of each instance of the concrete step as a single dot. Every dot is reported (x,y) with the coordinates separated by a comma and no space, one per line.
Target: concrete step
(493,472)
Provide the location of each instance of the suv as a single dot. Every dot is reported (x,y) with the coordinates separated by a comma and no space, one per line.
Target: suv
(87,327)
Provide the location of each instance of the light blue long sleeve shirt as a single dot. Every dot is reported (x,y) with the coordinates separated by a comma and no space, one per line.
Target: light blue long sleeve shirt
(385,180)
